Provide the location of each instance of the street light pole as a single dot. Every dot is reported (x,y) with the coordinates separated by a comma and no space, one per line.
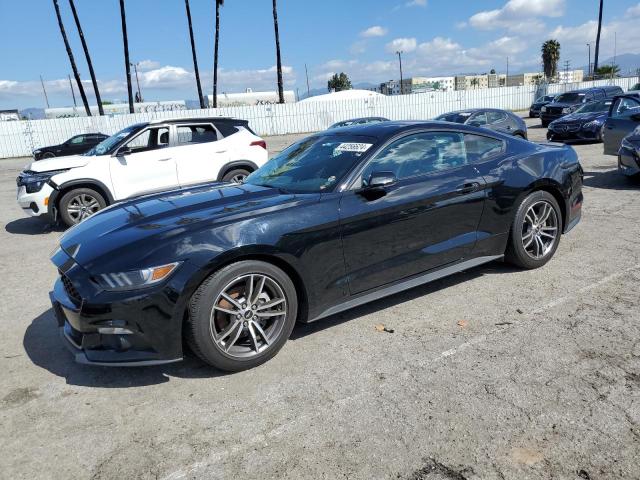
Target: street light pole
(589,64)
(399,52)
(73,94)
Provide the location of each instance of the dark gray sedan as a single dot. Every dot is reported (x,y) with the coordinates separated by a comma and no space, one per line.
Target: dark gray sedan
(624,117)
(491,118)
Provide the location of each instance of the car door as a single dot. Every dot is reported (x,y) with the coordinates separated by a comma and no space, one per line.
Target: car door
(624,117)
(426,219)
(144,164)
(75,145)
(201,151)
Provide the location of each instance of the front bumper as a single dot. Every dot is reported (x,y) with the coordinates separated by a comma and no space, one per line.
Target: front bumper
(34,204)
(572,133)
(132,328)
(628,162)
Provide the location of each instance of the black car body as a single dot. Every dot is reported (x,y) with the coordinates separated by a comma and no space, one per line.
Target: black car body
(624,117)
(491,118)
(584,124)
(76,145)
(534,109)
(373,210)
(629,154)
(358,121)
(569,102)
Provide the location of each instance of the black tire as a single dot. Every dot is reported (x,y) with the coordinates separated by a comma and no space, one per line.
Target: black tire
(198,328)
(516,253)
(235,175)
(545,124)
(94,203)
(48,155)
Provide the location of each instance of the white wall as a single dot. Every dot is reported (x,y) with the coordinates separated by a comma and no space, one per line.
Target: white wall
(20,138)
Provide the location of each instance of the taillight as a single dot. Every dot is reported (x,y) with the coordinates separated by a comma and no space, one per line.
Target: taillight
(259,143)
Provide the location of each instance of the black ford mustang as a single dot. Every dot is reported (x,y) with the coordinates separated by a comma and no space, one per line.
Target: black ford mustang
(338,219)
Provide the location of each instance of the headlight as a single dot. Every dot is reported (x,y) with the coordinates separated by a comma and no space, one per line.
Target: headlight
(566,110)
(35,152)
(631,146)
(33,182)
(543,109)
(593,125)
(137,278)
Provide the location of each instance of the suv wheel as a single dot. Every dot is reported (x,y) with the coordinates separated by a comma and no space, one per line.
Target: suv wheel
(236,175)
(80,203)
(242,315)
(535,233)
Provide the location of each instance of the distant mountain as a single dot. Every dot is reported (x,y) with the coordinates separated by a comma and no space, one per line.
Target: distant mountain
(629,63)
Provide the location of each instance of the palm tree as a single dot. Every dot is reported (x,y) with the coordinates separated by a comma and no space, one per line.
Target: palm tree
(193,53)
(550,58)
(88,57)
(608,71)
(127,64)
(71,59)
(595,60)
(219,3)
(278,59)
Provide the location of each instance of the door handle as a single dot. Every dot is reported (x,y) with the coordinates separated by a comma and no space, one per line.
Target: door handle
(164,159)
(468,188)
(221,151)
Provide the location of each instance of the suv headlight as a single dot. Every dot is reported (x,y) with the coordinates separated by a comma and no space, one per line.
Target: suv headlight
(137,278)
(34,181)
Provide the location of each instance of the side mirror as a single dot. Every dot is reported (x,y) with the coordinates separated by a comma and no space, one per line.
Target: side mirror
(380,180)
(122,151)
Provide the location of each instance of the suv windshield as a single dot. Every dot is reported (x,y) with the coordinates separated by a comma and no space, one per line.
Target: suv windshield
(313,165)
(570,98)
(601,106)
(108,145)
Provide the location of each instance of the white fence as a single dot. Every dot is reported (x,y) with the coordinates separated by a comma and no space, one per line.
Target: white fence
(22,137)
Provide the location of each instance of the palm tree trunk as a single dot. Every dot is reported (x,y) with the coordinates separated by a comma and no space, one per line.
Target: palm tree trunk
(88,57)
(193,52)
(71,59)
(278,59)
(595,60)
(126,55)
(215,56)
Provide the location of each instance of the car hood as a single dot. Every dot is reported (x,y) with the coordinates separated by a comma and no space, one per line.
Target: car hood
(582,117)
(59,163)
(129,232)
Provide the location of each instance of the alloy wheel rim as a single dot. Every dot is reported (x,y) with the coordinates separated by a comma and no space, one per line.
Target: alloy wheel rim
(82,206)
(539,230)
(239,178)
(248,315)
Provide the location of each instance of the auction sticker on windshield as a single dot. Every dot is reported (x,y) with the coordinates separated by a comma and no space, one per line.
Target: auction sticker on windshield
(353,147)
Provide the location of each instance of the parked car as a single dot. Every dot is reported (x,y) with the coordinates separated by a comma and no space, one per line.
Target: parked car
(491,118)
(74,146)
(338,219)
(142,158)
(584,124)
(635,90)
(569,102)
(534,109)
(629,154)
(624,117)
(358,121)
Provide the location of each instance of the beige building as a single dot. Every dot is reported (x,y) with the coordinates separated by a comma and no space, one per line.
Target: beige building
(471,82)
(525,79)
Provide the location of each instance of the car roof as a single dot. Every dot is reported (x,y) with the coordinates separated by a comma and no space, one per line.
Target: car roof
(196,119)
(474,110)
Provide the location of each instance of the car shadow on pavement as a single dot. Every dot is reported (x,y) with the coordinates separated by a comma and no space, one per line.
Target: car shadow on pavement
(44,347)
(302,330)
(31,226)
(609,179)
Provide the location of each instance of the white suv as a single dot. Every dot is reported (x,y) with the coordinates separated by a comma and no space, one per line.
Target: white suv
(143,158)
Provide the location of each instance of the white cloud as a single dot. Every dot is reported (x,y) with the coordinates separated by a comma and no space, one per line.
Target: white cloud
(145,65)
(358,47)
(416,3)
(633,11)
(405,45)
(375,31)
(518,15)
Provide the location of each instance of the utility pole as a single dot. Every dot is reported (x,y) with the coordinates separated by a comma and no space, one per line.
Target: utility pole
(44,90)
(507,81)
(566,74)
(307,74)
(589,64)
(135,69)
(72,92)
(615,51)
(399,52)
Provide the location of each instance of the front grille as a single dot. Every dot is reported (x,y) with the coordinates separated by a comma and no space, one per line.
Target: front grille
(554,110)
(566,127)
(70,289)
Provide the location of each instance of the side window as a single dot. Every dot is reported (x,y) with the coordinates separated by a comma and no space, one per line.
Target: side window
(419,154)
(625,107)
(188,134)
(477,119)
(150,139)
(77,140)
(481,148)
(495,117)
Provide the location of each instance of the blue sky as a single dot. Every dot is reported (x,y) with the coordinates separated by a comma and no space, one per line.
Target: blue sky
(355,36)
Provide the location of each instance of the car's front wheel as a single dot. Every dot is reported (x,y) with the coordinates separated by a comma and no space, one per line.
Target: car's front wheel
(237,175)
(80,203)
(242,315)
(535,233)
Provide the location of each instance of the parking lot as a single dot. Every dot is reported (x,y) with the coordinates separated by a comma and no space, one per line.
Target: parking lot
(494,373)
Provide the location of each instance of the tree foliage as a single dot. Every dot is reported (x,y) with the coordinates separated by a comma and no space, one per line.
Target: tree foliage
(339,82)
(608,70)
(550,57)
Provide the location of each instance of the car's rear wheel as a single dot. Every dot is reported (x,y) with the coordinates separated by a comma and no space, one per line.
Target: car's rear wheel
(237,175)
(79,204)
(48,155)
(536,230)
(545,124)
(242,315)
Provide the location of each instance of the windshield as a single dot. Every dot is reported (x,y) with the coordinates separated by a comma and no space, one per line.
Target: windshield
(601,106)
(570,98)
(313,165)
(455,117)
(108,144)
(635,87)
